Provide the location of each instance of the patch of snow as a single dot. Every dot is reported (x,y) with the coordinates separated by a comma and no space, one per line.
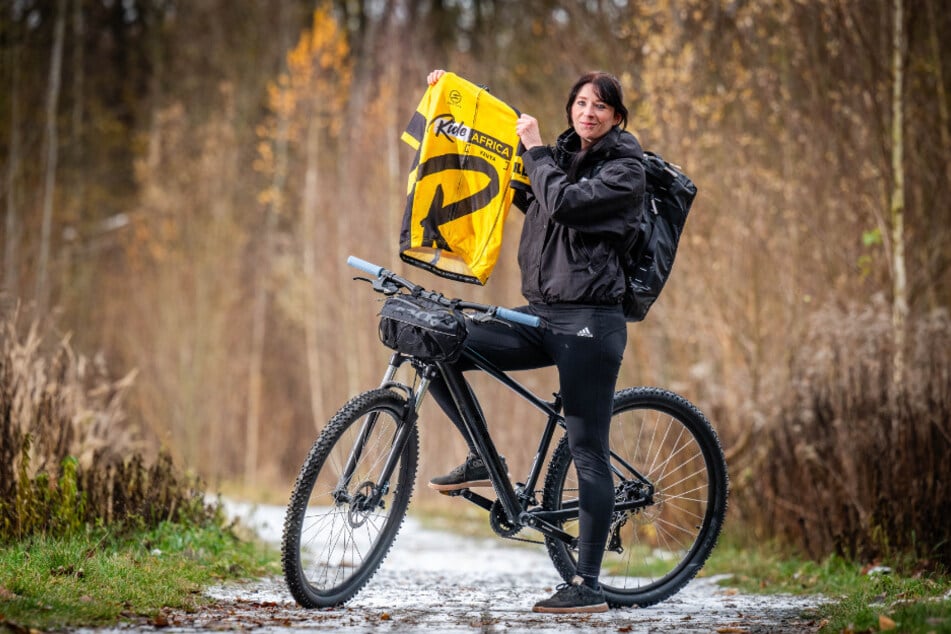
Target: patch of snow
(435,581)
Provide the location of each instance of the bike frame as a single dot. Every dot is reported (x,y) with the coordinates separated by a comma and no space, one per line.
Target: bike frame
(516,504)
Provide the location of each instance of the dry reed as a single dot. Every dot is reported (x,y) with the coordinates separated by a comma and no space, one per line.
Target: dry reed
(68,457)
(856,463)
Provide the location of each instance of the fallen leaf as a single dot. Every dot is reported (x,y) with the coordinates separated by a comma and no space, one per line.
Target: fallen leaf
(160,620)
(885,623)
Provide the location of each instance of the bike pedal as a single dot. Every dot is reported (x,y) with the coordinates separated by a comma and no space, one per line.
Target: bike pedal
(453,493)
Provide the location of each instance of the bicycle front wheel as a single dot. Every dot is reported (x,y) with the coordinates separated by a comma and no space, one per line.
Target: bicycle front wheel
(344,513)
(670,497)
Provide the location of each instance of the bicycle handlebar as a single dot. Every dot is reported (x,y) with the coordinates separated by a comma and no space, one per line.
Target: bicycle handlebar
(519,318)
(365,266)
(507,314)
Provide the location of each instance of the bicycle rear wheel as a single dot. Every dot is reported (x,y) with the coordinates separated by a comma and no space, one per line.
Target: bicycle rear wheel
(341,519)
(653,550)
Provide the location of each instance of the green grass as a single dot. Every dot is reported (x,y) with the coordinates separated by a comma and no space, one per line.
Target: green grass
(906,595)
(99,578)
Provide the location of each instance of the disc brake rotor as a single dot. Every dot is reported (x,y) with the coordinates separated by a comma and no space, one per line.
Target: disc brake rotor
(360,506)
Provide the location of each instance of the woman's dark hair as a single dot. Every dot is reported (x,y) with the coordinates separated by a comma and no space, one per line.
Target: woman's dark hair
(608,89)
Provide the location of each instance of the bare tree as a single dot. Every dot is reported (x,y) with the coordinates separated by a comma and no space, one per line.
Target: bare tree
(13,165)
(259,306)
(899,282)
(52,150)
(944,118)
(78,114)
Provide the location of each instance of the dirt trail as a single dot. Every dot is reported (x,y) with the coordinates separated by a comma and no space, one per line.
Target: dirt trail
(434,581)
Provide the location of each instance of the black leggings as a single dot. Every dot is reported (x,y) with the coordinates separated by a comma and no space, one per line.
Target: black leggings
(586,344)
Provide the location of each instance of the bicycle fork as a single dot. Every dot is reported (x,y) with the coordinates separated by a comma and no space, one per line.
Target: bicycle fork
(369,500)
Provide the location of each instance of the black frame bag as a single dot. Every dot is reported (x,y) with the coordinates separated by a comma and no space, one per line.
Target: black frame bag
(422,328)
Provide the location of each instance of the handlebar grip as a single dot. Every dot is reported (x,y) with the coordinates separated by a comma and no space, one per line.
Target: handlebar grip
(519,318)
(364,266)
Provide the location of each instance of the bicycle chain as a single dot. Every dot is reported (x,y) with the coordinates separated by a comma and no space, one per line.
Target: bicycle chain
(527,541)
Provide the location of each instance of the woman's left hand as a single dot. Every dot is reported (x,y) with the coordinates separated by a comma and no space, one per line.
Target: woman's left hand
(527,130)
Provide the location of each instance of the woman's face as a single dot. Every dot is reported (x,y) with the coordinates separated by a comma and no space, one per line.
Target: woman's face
(590,117)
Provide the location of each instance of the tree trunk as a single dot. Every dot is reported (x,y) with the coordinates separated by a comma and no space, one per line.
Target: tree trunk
(899,283)
(944,119)
(259,307)
(944,128)
(52,149)
(259,310)
(263,270)
(315,308)
(12,224)
(78,115)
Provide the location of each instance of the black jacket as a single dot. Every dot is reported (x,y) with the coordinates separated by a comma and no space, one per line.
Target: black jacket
(576,217)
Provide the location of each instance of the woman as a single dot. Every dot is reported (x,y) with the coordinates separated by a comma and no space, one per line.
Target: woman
(586,195)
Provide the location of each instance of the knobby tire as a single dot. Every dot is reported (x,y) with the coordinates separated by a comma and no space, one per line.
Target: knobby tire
(333,543)
(656,549)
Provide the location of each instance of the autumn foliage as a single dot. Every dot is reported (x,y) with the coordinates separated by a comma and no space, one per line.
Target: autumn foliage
(217,161)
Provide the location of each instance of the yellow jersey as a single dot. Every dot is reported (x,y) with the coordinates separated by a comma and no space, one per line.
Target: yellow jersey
(459,189)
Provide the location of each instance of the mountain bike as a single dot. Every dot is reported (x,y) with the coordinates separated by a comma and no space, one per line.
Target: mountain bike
(354,488)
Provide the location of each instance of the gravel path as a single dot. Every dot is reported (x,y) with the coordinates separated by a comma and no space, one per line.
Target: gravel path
(434,581)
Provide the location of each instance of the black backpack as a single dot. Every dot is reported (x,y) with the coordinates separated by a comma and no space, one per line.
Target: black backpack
(648,256)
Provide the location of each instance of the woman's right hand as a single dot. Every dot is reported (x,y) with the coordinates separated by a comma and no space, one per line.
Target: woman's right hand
(434,76)
(527,130)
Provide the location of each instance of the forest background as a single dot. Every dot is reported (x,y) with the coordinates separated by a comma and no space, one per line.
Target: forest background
(183,180)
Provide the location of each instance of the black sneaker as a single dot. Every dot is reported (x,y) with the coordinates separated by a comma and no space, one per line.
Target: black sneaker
(573,597)
(471,473)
